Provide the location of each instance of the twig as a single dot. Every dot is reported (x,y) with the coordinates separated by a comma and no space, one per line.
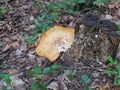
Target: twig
(101,69)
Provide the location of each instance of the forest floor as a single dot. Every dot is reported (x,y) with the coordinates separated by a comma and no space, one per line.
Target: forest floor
(84,66)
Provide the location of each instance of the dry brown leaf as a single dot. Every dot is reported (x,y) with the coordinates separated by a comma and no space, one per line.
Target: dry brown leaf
(8,45)
(9,27)
(105,87)
(116,88)
(111,5)
(13,72)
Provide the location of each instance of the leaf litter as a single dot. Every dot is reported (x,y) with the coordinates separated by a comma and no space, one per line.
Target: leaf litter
(88,54)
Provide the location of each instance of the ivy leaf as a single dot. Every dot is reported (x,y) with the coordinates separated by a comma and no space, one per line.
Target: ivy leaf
(81,1)
(46,70)
(110,59)
(69,74)
(108,72)
(98,2)
(42,86)
(116,81)
(6,78)
(33,86)
(55,67)
(31,40)
(53,71)
(115,62)
(35,71)
(118,67)
(85,79)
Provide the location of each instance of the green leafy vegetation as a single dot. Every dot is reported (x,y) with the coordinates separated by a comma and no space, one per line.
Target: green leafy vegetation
(46,20)
(2,11)
(85,81)
(118,31)
(102,2)
(70,75)
(36,75)
(1,66)
(6,79)
(113,70)
(37,85)
(29,39)
(52,69)
(71,6)
(42,24)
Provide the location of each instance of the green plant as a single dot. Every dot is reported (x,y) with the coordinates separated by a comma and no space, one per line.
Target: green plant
(113,70)
(118,30)
(71,6)
(36,75)
(2,11)
(63,6)
(102,2)
(44,22)
(7,80)
(85,81)
(1,66)
(70,74)
(52,69)
(30,39)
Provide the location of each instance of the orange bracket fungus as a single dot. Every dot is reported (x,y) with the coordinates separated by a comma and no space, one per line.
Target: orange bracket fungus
(55,40)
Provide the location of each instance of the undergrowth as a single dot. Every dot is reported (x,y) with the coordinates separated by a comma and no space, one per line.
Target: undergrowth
(2,11)
(51,12)
(113,70)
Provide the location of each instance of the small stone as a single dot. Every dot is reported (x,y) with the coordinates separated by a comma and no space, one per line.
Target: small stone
(95,74)
(18,52)
(53,86)
(31,56)
(31,27)
(28,67)
(1,84)
(108,17)
(31,17)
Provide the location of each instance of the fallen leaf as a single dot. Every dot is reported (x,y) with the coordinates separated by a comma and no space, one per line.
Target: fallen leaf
(15,45)
(9,27)
(111,5)
(8,45)
(116,88)
(13,72)
(116,18)
(105,87)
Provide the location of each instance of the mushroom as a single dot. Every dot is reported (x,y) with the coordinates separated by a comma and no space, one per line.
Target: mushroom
(55,40)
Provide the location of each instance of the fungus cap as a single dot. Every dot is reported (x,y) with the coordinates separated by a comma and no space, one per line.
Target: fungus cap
(57,39)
